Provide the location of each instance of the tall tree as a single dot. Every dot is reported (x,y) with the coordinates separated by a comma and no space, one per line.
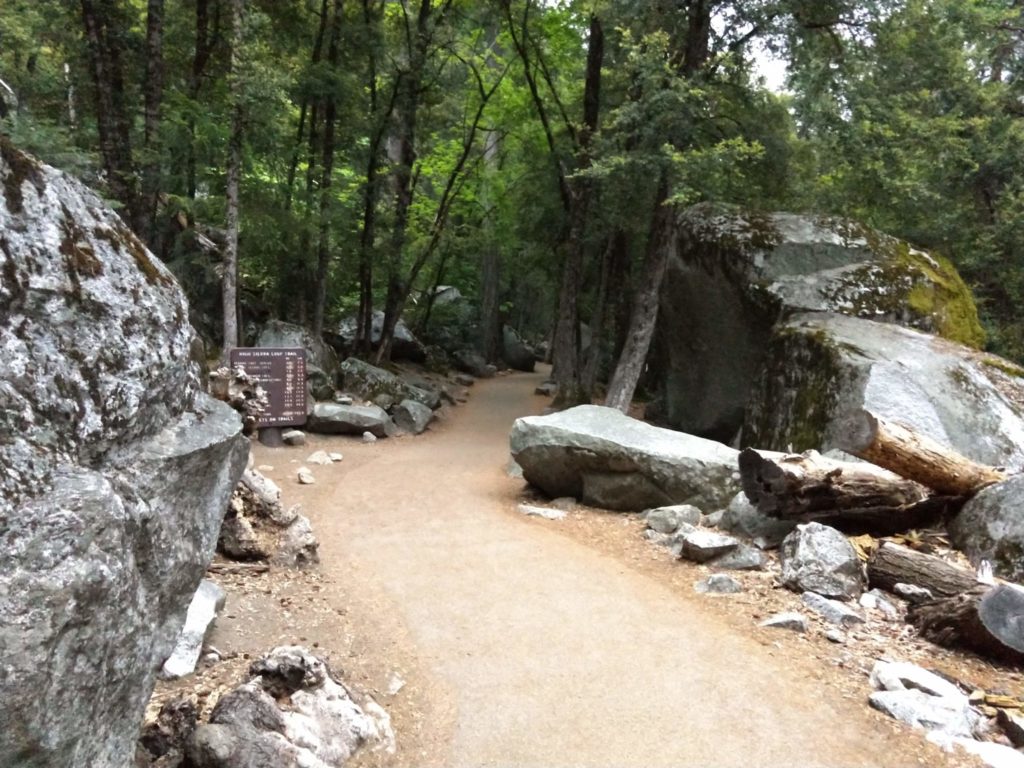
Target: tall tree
(234,179)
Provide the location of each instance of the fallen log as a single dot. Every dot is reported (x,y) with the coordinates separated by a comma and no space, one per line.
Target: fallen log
(986,619)
(892,564)
(238,569)
(915,456)
(854,497)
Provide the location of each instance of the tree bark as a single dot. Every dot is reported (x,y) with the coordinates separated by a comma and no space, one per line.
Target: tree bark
(153,98)
(850,496)
(915,456)
(324,236)
(660,243)
(234,176)
(598,320)
(986,620)
(200,58)
(892,564)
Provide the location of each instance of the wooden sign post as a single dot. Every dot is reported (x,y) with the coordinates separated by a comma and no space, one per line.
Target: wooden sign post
(281,371)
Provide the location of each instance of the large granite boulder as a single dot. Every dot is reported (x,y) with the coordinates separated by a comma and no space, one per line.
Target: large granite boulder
(735,274)
(610,460)
(822,369)
(115,471)
(991,527)
(371,382)
(321,360)
(516,353)
(404,346)
(336,419)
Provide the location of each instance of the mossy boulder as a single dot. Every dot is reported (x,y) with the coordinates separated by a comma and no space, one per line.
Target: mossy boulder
(735,274)
(370,383)
(822,368)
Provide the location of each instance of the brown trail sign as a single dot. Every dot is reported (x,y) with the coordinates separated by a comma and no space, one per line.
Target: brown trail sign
(281,371)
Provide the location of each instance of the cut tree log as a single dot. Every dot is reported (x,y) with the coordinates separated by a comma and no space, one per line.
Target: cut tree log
(852,496)
(892,564)
(918,457)
(965,613)
(987,619)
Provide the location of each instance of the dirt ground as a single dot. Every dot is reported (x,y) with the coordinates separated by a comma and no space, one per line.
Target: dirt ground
(495,639)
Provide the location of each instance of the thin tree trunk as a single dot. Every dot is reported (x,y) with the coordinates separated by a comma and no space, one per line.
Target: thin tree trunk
(234,177)
(199,60)
(154,92)
(490,267)
(592,359)
(619,276)
(645,306)
(324,241)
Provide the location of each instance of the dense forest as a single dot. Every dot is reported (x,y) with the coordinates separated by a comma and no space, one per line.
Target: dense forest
(316,160)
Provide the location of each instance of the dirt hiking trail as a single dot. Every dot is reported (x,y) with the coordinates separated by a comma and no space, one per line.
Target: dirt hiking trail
(525,646)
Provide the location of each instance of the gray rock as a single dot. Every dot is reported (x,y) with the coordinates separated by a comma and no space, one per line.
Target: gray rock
(320,383)
(341,399)
(990,527)
(743,558)
(404,345)
(297,546)
(335,457)
(668,519)
(464,379)
(835,636)
(323,725)
(902,675)
(609,460)
(875,600)
(547,389)
(516,353)
(831,610)
(991,754)
(546,512)
(413,417)
(115,471)
(474,364)
(718,584)
(333,419)
(735,273)
(950,715)
(743,518)
(714,520)
(513,470)
(912,593)
(304,476)
(370,382)
(206,603)
(238,540)
(702,546)
(661,539)
(565,503)
(258,497)
(816,558)
(369,437)
(384,401)
(321,360)
(788,620)
(823,370)
(321,458)
(294,437)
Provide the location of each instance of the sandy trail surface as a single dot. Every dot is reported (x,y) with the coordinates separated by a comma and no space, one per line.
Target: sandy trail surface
(523,646)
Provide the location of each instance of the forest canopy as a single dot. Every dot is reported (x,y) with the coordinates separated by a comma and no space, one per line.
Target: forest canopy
(347,156)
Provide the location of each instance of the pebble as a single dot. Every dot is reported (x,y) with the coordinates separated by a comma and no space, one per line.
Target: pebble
(305,476)
(548,514)
(336,457)
(369,437)
(788,620)
(718,584)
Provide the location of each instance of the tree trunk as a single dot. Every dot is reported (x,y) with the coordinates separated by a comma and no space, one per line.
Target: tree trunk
(199,59)
(660,243)
(103,32)
(324,238)
(234,177)
(154,93)
(915,456)
(892,564)
(854,497)
(592,358)
(490,309)
(986,619)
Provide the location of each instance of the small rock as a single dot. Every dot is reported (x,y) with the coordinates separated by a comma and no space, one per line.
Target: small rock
(294,437)
(702,546)
(341,399)
(335,457)
(714,520)
(1013,726)
(320,457)
(238,539)
(719,584)
(743,558)
(816,558)
(668,519)
(788,620)
(305,476)
(912,593)
(395,684)
(992,754)
(514,470)
(835,636)
(744,518)
(297,547)
(206,603)
(547,389)
(211,658)
(464,379)
(412,416)
(662,539)
(902,675)
(831,610)
(950,715)
(566,503)
(369,437)
(547,514)
(876,600)
(265,468)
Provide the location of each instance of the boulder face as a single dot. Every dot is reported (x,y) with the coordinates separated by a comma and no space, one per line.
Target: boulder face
(321,360)
(404,346)
(115,471)
(370,382)
(516,353)
(735,274)
(821,369)
(610,460)
(990,527)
